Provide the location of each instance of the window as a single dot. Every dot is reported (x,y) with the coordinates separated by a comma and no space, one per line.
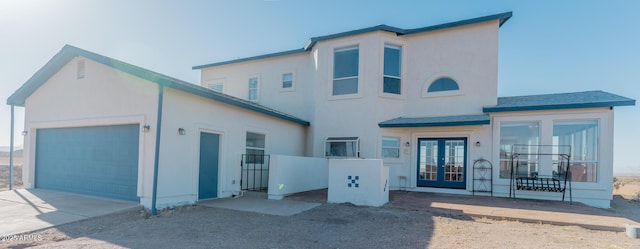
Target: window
(582,136)
(342,147)
(443,84)
(255,145)
(253,89)
(390,147)
(287,81)
(345,70)
(518,133)
(80,72)
(218,87)
(392,69)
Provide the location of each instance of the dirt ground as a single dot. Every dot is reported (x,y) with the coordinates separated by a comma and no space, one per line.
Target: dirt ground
(4,173)
(327,226)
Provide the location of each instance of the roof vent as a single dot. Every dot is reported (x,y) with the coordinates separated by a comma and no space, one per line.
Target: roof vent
(80,69)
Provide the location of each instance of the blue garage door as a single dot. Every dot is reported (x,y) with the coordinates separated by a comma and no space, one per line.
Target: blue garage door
(98,160)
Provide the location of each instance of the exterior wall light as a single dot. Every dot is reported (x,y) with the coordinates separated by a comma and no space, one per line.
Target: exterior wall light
(146,128)
(181,131)
(477,143)
(407,144)
(24,133)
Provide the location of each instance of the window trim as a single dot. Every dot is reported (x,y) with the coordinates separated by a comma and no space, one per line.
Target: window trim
(257,88)
(293,82)
(382,147)
(425,87)
(342,140)
(399,48)
(344,46)
(263,149)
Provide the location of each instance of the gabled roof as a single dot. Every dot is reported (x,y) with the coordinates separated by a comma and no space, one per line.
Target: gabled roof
(461,120)
(557,101)
(68,52)
(502,17)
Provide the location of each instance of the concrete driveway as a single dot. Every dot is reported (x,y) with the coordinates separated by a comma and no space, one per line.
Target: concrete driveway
(26,210)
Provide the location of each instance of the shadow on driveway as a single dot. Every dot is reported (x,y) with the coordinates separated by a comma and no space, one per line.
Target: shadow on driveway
(26,210)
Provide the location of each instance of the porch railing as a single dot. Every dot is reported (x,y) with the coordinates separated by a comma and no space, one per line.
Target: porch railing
(254,172)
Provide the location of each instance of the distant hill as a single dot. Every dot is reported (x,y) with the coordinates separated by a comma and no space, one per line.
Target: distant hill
(16,153)
(6,148)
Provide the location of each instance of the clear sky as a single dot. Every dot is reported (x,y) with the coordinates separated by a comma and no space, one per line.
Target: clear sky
(546,47)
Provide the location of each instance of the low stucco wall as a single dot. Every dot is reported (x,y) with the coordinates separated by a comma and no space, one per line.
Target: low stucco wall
(292,174)
(358,181)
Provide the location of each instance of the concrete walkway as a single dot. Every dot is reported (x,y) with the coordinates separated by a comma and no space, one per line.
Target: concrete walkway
(26,210)
(547,212)
(258,203)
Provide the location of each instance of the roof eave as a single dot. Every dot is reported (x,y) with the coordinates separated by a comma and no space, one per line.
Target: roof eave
(502,17)
(630,102)
(68,52)
(436,124)
(252,58)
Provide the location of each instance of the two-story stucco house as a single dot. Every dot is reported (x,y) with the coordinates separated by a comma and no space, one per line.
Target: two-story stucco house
(423,100)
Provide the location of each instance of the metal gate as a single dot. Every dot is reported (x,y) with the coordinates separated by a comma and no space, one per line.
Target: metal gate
(254,172)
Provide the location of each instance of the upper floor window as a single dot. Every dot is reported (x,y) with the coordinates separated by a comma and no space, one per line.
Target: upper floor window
(287,81)
(218,87)
(253,89)
(345,70)
(392,69)
(443,84)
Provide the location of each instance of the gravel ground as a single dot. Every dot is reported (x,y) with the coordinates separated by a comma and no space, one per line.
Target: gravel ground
(327,226)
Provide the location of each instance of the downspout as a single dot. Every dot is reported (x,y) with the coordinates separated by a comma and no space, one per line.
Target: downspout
(154,193)
(11,151)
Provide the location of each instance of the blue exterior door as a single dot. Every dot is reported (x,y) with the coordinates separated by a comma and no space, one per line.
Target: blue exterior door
(442,162)
(97,160)
(209,154)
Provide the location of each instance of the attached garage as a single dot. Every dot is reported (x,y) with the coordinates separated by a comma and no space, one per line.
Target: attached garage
(93,126)
(96,160)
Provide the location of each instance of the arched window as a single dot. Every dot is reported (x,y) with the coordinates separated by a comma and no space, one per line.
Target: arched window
(443,84)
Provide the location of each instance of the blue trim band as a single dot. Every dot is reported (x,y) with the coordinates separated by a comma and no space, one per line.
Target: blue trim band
(464,120)
(11,149)
(502,17)
(559,101)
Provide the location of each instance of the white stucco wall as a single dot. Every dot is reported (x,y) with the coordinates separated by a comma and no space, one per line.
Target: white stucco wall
(179,154)
(269,73)
(467,54)
(358,181)
(292,174)
(105,96)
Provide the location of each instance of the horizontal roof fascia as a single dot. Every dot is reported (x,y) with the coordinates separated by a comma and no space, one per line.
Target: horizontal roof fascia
(502,17)
(443,121)
(559,101)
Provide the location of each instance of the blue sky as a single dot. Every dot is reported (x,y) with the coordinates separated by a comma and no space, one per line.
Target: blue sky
(546,47)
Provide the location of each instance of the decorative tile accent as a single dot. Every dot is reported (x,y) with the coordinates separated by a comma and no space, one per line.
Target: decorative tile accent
(352,181)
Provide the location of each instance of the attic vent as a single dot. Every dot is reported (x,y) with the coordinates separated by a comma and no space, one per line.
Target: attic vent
(80,69)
